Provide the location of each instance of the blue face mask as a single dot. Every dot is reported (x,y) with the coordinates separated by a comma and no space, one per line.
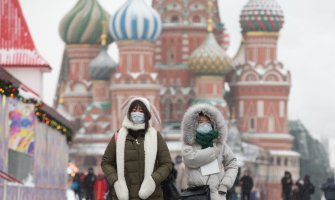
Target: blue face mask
(137,117)
(204,127)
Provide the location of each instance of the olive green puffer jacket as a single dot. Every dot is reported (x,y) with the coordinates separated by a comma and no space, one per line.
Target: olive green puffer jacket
(134,162)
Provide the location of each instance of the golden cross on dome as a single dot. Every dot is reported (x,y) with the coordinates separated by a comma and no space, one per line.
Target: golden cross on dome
(103,37)
(210,21)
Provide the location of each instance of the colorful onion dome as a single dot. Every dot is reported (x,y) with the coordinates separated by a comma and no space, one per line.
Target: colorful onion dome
(262,15)
(135,20)
(83,24)
(210,58)
(102,66)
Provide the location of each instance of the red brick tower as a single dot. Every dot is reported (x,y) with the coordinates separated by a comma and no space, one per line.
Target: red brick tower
(80,29)
(260,89)
(210,63)
(135,27)
(184,30)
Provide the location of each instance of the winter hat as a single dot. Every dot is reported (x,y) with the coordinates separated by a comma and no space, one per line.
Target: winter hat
(151,108)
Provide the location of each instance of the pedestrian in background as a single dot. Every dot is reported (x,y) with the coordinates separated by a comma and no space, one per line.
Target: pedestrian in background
(295,194)
(287,184)
(76,186)
(89,182)
(247,184)
(329,189)
(306,188)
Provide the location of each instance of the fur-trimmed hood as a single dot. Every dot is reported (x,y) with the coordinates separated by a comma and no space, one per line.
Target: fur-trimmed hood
(190,124)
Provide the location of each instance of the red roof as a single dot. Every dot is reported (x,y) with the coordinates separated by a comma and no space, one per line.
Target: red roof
(17,48)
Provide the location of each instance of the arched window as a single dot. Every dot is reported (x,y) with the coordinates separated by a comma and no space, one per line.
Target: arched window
(196,19)
(174,19)
(171,57)
(285,161)
(278,161)
(251,77)
(168,109)
(179,108)
(252,125)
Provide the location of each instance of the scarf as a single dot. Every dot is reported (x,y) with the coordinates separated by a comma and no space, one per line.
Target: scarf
(206,140)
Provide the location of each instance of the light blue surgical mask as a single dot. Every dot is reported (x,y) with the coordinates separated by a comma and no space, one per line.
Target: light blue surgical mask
(204,127)
(137,117)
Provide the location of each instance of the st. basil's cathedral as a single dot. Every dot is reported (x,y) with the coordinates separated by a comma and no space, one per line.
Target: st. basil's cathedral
(174,54)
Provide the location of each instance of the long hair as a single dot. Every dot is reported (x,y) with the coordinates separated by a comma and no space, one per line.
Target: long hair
(147,115)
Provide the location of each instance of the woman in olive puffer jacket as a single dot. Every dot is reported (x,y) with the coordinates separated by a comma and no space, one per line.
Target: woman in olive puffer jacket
(137,159)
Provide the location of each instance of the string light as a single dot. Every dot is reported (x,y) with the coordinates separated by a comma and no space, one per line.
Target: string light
(7,89)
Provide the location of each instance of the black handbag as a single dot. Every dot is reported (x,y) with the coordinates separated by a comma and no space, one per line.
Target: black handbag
(170,191)
(201,192)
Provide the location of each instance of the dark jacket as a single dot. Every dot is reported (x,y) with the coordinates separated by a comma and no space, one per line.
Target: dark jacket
(306,190)
(89,181)
(134,160)
(329,189)
(246,184)
(295,195)
(286,185)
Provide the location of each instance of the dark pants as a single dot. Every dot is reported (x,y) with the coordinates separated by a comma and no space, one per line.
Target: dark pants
(89,195)
(246,196)
(286,195)
(231,196)
(78,194)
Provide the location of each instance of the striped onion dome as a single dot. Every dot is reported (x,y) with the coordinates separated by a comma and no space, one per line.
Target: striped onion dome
(102,66)
(210,58)
(136,20)
(262,15)
(83,24)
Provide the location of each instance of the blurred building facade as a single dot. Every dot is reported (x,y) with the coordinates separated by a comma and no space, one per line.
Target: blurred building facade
(34,138)
(174,53)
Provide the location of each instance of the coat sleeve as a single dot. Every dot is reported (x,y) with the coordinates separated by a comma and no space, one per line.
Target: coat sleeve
(197,158)
(230,167)
(164,161)
(108,163)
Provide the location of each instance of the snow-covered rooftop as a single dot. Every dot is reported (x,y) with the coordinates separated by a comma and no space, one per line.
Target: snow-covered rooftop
(284,153)
(284,136)
(97,149)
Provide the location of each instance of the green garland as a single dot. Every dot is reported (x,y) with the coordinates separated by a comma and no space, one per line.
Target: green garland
(7,89)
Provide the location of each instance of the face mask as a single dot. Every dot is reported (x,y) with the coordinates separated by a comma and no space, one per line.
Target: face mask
(204,127)
(137,117)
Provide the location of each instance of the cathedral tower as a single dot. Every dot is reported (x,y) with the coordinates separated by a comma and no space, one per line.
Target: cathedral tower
(135,27)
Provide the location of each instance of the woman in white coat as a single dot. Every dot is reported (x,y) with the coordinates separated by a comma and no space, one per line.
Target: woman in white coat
(204,136)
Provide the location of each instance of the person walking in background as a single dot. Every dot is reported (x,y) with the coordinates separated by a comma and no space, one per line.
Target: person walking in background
(295,194)
(137,158)
(329,189)
(89,182)
(247,184)
(306,188)
(76,186)
(181,180)
(204,136)
(286,183)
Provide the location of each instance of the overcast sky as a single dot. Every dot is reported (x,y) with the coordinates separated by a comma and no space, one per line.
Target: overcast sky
(306,47)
